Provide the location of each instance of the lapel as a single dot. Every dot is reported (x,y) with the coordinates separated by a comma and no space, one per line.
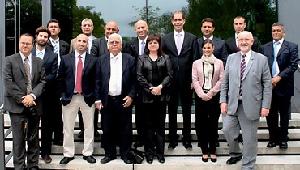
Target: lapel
(282,48)
(248,65)
(86,62)
(106,64)
(73,63)
(173,44)
(136,46)
(21,64)
(124,64)
(34,67)
(184,42)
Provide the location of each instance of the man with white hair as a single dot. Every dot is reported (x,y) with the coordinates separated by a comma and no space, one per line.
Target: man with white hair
(246,93)
(115,90)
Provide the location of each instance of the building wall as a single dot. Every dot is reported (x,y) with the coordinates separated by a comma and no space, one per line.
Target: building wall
(288,14)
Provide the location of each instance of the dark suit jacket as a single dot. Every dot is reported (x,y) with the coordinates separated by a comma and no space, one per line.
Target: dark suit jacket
(103,76)
(287,59)
(232,48)
(145,77)
(16,84)
(50,64)
(132,48)
(66,78)
(182,63)
(99,47)
(219,48)
(64,47)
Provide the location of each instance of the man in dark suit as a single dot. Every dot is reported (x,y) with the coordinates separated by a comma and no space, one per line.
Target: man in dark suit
(246,93)
(283,59)
(135,48)
(99,46)
(181,47)
(60,47)
(76,80)
(239,25)
(207,29)
(49,116)
(115,90)
(24,81)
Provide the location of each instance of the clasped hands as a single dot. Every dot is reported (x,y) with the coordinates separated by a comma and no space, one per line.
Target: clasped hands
(127,102)
(28,101)
(156,91)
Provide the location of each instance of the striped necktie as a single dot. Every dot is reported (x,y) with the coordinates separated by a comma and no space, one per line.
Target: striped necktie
(243,68)
(28,75)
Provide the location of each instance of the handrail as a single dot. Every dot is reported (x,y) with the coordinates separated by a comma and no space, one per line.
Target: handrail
(3,161)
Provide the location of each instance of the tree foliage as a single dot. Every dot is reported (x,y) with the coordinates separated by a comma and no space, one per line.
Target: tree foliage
(259,15)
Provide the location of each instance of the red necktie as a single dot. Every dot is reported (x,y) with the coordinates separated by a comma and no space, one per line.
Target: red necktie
(79,75)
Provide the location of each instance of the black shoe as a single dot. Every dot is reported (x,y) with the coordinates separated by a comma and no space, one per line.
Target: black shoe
(34,168)
(138,143)
(149,158)
(96,134)
(233,160)
(127,161)
(47,159)
(106,159)
(271,144)
(187,145)
(66,160)
(213,159)
(58,142)
(161,159)
(283,145)
(172,145)
(204,159)
(81,134)
(90,159)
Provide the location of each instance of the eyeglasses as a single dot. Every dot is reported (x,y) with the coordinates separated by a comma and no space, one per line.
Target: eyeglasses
(114,42)
(26,43)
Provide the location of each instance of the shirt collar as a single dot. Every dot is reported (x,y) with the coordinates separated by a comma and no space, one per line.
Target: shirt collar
(140,41)
(53,41)
(176,33)
(82,55)
(248,54)
(280,41)
(37,51)
(23,57)
(210,38)
(115,57)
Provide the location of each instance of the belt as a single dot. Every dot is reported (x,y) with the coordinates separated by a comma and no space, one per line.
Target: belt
(115,97)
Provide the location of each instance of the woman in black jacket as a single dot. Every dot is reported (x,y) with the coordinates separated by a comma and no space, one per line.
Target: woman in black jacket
(154,74)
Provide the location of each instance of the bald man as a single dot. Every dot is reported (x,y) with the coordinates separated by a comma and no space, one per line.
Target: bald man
(77,93)
(135,48)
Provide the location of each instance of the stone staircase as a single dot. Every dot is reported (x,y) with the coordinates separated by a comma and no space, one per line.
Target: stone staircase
(180,158)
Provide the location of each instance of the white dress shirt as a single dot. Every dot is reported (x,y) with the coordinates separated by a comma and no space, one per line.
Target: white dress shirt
(115,81)
(39,53)
(178,37)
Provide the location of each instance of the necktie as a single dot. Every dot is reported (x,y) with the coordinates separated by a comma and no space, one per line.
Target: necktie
(275,68)
(55,46)
(28,75)
(142,47)
(243,68)
(78,87)
(179,42)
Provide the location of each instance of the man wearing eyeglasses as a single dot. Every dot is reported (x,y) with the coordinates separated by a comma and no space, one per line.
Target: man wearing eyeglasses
(24,80)
(115,90)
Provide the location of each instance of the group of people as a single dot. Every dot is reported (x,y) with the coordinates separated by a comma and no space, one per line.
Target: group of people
(238,78)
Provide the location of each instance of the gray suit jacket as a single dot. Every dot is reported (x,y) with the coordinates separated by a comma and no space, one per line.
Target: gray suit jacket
(256,85)
(15,82)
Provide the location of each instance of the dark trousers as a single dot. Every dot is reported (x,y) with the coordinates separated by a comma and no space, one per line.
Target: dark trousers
(116,127)
(280,106)
(206,123)
(185,97)
(51,122)
(154,137)
(25,126)
(139,121)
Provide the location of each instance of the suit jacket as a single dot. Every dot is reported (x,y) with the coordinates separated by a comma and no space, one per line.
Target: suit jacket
(219,48)
(132,47)
(16,83)
(256,85)
(66,78)
(198,77)
(182,63)
(64,47)
(287,59)
(50,64)
(145,78)
(72,44)
(99,47)
(103,76)
(232,48)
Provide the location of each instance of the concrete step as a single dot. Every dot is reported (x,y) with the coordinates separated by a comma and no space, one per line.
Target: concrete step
(270,162)
(294,122)
(294,148)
